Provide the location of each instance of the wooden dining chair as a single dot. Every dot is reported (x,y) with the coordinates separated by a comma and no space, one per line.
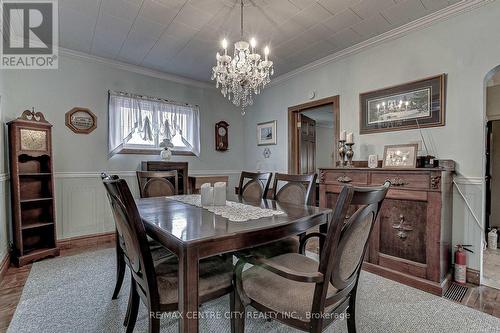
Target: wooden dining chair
(157,251)
(302,292)
(158,183)
(290,189)
(156,282)
(254,185)
(294,189)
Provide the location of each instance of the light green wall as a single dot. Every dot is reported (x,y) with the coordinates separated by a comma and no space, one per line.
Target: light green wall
(463,46)
(85,83)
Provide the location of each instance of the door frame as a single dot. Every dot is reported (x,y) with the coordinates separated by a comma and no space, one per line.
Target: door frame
(293,130)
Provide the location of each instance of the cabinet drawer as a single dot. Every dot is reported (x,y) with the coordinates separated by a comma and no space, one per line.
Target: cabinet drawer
(346,177)
(402,180)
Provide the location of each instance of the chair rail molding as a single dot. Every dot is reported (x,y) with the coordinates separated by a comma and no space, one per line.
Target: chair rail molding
(93,174)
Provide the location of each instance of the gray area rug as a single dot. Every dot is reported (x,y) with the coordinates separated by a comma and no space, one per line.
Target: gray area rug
(73,294)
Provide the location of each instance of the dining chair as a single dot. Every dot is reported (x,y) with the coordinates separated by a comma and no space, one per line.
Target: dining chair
(254,185)
(155,283)
(157,250)
(290,189)
(302,292)
(158,183)
(297,189)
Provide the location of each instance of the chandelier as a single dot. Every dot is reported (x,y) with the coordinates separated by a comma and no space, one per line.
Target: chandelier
(245,73)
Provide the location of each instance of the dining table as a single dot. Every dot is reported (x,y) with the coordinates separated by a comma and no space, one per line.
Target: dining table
(194,233)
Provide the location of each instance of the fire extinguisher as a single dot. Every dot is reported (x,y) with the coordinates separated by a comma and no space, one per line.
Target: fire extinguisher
(461,263)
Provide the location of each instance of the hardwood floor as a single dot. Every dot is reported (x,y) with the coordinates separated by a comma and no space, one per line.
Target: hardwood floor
(482,298)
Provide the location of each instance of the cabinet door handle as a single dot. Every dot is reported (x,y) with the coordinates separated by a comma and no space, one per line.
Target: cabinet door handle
(397,181)
(344,179)
(402,227)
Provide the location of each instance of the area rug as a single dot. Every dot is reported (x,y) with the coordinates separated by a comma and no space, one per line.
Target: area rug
(73,294)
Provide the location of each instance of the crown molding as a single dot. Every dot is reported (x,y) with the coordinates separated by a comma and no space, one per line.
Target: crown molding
(458,8)
(134,68)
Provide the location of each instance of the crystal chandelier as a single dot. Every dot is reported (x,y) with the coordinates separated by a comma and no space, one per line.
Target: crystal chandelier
(245,73)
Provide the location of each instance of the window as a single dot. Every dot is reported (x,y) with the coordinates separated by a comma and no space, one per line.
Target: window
(141,124)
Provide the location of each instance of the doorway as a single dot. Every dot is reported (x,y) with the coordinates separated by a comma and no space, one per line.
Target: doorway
(491,255)
(313,131)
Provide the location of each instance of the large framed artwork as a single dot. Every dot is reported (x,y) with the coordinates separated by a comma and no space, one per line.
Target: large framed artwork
(266,133)
(408,106)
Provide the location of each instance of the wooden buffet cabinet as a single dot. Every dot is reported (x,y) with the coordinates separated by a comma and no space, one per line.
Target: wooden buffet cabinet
(411,240)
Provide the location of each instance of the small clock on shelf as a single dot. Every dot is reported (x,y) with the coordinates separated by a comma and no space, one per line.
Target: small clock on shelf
(221,136)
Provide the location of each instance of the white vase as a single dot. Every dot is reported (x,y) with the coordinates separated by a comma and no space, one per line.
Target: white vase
(166,154)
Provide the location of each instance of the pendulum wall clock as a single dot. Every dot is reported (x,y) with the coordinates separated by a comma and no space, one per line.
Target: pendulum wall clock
(221,136)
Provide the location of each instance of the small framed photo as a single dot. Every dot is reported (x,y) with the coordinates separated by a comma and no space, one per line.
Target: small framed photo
(266,133)
(373,161)
(400,156)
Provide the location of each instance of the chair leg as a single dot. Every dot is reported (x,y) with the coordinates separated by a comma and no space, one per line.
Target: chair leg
(238,313)
(120,270)
(130,301)
(351,311)
(134,308)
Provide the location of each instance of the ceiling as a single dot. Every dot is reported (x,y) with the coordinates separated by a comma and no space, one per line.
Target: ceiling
(182,36)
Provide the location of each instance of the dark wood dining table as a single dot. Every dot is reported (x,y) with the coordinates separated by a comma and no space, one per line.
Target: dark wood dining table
(193,233)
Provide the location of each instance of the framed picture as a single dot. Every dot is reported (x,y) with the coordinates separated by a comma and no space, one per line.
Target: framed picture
(81,120)
(266,133)
(400,156)
(407,106)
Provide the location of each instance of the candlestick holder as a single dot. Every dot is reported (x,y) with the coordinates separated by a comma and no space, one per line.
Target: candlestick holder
(349,154)
(342,152)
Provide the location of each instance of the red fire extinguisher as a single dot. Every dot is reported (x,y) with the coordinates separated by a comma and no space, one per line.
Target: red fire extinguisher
(461,263)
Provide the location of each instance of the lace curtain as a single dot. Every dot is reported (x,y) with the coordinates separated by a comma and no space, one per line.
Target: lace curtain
(155,120)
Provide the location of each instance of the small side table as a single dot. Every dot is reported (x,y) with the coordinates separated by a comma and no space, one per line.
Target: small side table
(195,182)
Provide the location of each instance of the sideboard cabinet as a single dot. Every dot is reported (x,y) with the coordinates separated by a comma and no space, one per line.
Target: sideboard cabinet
(411,240)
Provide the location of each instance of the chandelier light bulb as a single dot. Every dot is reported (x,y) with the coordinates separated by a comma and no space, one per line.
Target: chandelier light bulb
(253,43)
(224,44)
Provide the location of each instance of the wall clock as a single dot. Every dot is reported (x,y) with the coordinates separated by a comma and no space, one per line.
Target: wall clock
(221,136)
(32,139)
(81,120)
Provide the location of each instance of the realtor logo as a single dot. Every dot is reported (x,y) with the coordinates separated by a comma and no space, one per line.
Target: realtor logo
(30,34)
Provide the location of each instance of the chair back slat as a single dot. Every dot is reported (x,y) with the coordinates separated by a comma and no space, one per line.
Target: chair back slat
(346,241)
(297,189)
(158,183)
(133,234)
(254,185)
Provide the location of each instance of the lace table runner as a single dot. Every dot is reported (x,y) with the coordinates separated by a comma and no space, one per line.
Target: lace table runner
(234,211)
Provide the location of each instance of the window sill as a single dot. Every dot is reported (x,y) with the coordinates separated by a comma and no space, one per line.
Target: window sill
(132,151)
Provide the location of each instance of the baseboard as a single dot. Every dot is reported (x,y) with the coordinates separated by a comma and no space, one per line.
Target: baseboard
(86,240)
(436,288)
(473,276)
(4,265)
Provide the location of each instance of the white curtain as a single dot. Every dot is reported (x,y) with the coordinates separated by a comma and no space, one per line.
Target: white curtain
(154,119)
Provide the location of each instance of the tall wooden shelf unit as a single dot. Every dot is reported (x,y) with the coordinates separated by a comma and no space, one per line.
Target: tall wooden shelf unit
(32,188)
